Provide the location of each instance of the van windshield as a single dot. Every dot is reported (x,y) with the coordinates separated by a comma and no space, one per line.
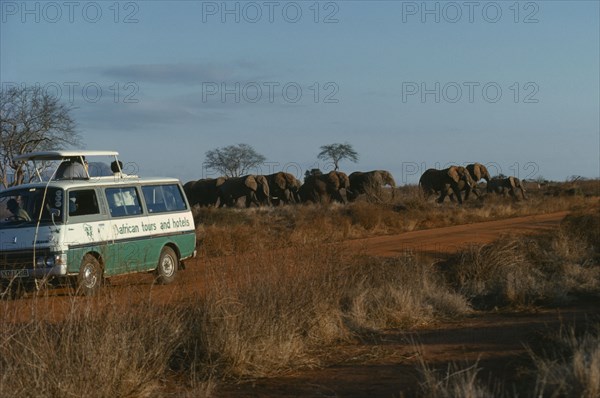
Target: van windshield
(25,206)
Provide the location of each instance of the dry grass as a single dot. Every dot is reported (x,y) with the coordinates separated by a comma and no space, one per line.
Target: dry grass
(272,312)
(237,231)
(262,314)
(544,269)
(112,352)
(456,381)
(571,366)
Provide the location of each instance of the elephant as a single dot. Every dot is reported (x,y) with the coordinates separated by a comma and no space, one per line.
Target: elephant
(370,183)
(284,187)
(255,189)
(504,186)
(325,187)
(479,172)
(446,181)
(203,192)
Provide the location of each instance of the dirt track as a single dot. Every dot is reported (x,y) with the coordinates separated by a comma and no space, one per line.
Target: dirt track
(450,239)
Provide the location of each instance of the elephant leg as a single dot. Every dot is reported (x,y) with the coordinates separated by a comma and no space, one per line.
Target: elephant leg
(443,194)
(456,191)
(288,197)
(450,195)
(337,196)
(523,192)
(427,192)
(251,198)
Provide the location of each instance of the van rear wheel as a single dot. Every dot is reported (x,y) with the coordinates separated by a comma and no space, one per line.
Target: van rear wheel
(167,266)
(90,278)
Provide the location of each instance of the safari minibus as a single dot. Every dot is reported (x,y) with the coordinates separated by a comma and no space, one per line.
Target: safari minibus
(89,228)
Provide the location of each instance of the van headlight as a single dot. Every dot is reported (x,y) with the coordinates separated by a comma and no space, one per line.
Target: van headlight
(50,260)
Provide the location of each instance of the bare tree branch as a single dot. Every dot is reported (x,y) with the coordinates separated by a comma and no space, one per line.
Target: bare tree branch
(233,160)
(31,120)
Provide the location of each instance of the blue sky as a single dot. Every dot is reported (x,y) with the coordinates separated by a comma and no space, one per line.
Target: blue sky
(411,85)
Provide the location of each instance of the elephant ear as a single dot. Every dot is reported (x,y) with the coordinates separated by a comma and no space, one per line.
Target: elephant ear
(219,181)
(477,171)
(250,182)
(344,180)
(333,179)
(280,180)
(290,180)
(486,174)
(453,172)
(388,179)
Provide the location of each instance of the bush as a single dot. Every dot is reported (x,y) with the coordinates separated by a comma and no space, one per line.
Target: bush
(551,268)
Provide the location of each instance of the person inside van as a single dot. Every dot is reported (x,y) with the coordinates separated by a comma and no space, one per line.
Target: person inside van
(71,169)
(18,213)
(116,168)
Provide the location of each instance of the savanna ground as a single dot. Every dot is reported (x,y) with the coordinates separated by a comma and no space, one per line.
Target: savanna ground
(408,298)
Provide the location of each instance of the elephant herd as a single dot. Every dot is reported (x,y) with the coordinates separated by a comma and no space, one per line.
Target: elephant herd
(336,186)
(284,188)
(454,180)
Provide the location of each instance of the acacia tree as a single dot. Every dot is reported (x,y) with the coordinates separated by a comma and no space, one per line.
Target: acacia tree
(337,152)
(233,160)
(31,120)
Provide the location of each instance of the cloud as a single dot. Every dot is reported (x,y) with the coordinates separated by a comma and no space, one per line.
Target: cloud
(143,116)
(179,73)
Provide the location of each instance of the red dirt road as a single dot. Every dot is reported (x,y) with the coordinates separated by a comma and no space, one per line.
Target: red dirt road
(451,239)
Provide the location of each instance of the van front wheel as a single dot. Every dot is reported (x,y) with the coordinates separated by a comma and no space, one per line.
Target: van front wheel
(167,266)
(90,277)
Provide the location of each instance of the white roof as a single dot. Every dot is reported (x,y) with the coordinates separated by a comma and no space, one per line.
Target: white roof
(59,155)
(94,181)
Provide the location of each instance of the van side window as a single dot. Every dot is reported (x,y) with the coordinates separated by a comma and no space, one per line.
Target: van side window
(83,202)
(123,201)
(162,198)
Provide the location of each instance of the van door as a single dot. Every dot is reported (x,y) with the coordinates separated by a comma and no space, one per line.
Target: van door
(88,227)
(127,220)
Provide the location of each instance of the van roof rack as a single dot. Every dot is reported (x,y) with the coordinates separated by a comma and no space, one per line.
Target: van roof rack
(62,156)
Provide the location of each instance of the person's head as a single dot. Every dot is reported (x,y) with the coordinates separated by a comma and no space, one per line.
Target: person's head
(12,205)
(115,168)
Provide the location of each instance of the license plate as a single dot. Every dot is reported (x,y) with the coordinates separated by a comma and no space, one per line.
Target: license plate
(14,273)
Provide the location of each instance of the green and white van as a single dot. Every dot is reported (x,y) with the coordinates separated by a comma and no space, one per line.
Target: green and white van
(91,228)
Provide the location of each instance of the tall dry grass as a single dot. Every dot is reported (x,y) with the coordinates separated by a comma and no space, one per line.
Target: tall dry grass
(522,271)
(457,381)
(570,365)
(272,312)
(261,314)
(95,352)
